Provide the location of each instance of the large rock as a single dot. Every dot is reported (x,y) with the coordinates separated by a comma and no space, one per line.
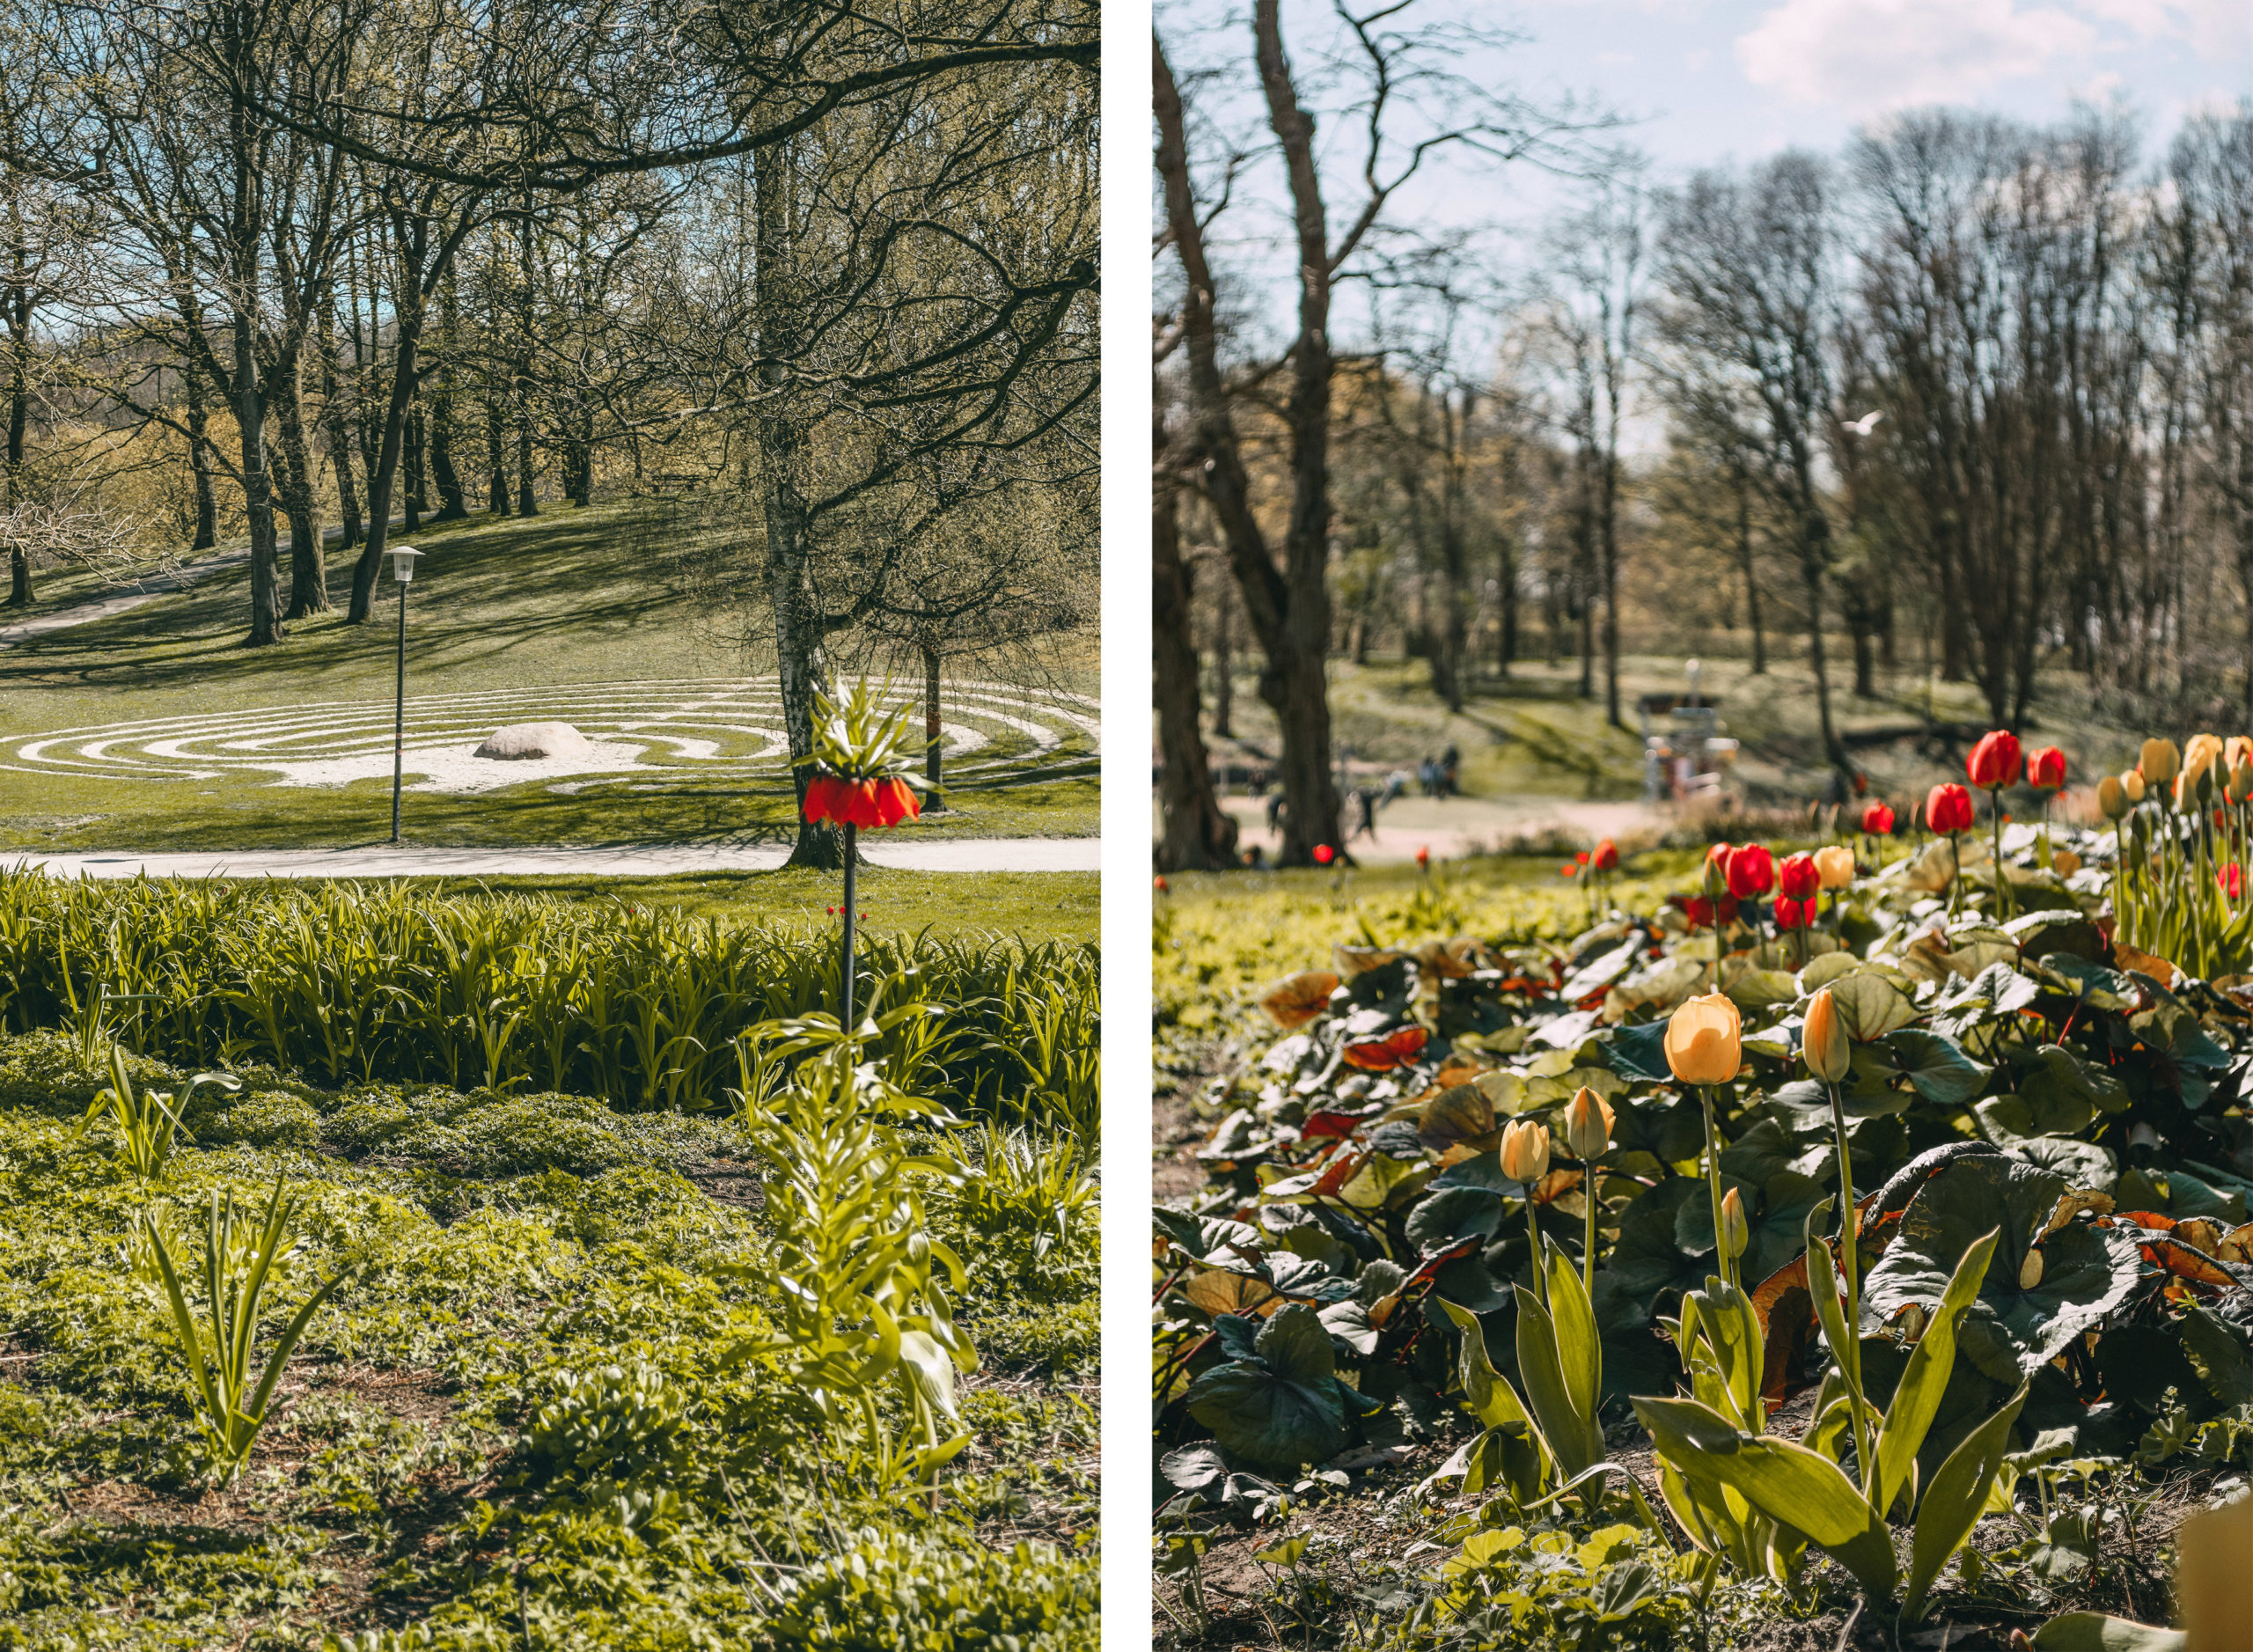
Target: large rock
(522,742)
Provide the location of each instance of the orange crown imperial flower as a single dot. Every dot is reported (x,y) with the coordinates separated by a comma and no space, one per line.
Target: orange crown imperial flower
(861,754)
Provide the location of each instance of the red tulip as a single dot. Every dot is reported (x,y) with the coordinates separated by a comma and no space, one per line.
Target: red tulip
(1424,859)
(1699,910)
(1995,762)
(1582,857)
(1567,869)
(2046,768)
(1948,809)
(1797,878)
(1159,883)
(1751,870)
(1794,914)
(1717,856)
(2232,879)
(1607,856)
(1877,820)
(1324,855)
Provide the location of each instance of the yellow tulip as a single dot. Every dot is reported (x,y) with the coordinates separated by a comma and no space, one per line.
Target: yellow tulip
(2236,751)
(1705,1040)
(2112,796)
(1822,1040)
(2159,761)
(1734,1234)
(2131,784)
(1525,1151)
(1834,865)
(1587,1124)
(2201,754)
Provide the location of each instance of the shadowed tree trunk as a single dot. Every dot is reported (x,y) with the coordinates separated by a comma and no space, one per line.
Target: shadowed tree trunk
(308,567)
(1195,833)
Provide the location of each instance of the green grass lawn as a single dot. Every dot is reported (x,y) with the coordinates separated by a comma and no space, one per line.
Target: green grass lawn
(1032,905)
(574,597)
(1532,734)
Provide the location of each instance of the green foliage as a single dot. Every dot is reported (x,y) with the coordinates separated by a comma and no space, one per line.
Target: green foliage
(886,1590)
(1617,1587)
(861,1301)
(228,1385)
(610,1424)
(637,1005)
(144,1121)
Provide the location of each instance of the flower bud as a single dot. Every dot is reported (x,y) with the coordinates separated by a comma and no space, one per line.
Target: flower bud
(1588,1125)
(2201,754)
(1834,863)
(1735,1234)
(2159,761)
(2112,796)
(1525,1151)
(2132,784)
(1822,1040)
(1705,1040)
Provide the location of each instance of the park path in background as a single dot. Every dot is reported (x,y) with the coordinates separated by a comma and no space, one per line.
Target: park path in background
(1452,827)
(650,860)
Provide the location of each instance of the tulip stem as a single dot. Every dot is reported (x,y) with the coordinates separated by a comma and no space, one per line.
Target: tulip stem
(1995,805)
(1533,1231)
(844,1023)
(1588,1245)
(1955,878)
(1850,1357)
(1713,1185)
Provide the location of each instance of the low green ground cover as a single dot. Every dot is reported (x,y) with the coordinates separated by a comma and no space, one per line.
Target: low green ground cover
(566,1392)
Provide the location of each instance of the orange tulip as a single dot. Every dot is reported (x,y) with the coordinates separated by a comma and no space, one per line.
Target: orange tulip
(1705,1040)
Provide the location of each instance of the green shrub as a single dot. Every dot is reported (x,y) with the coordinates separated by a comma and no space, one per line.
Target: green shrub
(265,1118)
(891,1591)
(615,1423)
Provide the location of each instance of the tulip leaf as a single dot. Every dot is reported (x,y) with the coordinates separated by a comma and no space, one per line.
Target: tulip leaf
(1512,1440)
(1540,1367)
(1949,1510)
(2094,1632)
(1580,1350)
(1917,1396)
(1789,1483)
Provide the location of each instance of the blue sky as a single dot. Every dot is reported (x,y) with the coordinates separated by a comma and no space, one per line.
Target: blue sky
(1717,79)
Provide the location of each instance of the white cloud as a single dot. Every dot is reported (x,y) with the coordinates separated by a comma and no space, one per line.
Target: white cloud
(1868,56)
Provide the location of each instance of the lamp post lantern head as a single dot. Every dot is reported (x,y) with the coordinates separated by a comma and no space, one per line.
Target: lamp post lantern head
(403,562)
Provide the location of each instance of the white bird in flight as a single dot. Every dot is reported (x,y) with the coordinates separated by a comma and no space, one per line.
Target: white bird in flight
(1867,423)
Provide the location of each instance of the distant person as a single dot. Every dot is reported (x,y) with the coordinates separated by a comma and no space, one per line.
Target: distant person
(1364,814)
(1255,859)
(1427,774)
(1275,814)
(1258,784)
(1449,762)
(1395,783)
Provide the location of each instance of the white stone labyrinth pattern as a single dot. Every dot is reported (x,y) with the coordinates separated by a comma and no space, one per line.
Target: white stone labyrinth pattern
(711,729)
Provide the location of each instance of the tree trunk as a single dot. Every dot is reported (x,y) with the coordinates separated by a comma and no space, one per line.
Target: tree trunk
(1608,570)
(402,391)
(199,461)
(258,489)
(1288,608)
(1865,664)
(336,416)
(933,749)
(496,451)
(802,662)
(308,569)
(451,507)
(1751,575)
(1195,833)
(19,402)
(416,500)
(526,505)
(1833,747)
(1224,661)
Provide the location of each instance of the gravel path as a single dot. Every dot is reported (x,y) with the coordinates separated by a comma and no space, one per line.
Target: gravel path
(654,860)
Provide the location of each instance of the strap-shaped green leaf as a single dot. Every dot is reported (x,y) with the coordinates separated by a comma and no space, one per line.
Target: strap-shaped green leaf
(1916,1400)
(1791,1484)
(1580,1349)
(1541,1370)
(1952,1505)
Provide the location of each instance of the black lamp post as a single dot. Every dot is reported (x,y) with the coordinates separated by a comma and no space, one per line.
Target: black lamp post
(402,569)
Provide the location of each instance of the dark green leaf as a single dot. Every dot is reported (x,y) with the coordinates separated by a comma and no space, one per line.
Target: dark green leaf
(1937,1067)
